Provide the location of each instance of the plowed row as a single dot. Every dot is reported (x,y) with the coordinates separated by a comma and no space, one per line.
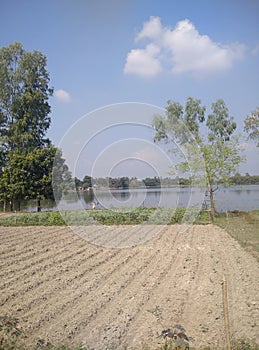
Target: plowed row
(66,290)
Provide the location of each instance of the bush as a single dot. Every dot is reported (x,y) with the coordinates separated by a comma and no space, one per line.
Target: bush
(122,216)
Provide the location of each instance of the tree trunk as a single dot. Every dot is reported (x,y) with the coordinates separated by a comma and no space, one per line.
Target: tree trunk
(38,206)
(212,202)
(4,207)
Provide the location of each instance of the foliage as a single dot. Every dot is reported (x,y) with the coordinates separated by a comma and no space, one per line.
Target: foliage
(251,125)
(30,175)
(10,326)
(26,154)
(246,179)
(152,182)
(215,155)
(133,182)
(24,94)
(137,216)
(87,181)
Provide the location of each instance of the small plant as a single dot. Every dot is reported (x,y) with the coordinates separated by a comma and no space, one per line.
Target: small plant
(120,311)
(9,325)
(157,311)
(243,344)
(9,333)
(175,339)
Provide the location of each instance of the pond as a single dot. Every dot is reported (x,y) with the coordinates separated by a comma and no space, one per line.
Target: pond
(233,198)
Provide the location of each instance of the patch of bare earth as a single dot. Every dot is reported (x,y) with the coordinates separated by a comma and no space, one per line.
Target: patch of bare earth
(66,290)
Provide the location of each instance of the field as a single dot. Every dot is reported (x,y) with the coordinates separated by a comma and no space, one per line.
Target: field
(65,290)
(244,227)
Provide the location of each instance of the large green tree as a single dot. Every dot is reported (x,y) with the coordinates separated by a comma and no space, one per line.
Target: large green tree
(30,176)
(27,156)
(24,94)
(214,151)
(252,125)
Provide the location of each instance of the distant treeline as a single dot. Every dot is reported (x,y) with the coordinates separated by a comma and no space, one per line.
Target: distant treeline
(246,179)
(126,182)
(153,182)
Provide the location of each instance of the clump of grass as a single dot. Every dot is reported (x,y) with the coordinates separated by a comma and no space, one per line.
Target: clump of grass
(12,337)
(122,216)
(33,219)
(242,226)
(244,344)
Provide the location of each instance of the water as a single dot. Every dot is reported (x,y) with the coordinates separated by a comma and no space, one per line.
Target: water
(232,198)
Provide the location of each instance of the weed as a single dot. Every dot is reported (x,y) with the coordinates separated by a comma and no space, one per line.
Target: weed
(156,216)
(157,311)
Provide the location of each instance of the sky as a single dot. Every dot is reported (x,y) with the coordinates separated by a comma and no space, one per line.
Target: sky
(114,64)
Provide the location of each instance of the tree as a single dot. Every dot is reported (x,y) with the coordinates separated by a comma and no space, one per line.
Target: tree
(78,183)
(43,165)
(152,182)
(27,156)
(124,182)
(29,176)
(251,125)
(87,181)
(24,94)
(216,154)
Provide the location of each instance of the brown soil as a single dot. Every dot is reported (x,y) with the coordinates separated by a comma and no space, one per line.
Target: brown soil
(66,290)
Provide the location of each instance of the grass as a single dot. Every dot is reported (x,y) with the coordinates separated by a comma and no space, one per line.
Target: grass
(244,227)
(105,217)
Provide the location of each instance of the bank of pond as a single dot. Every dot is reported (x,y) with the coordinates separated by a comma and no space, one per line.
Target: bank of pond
(244,198)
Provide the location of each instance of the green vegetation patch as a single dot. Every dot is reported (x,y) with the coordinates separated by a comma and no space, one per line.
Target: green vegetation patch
(105,217)
(244,227)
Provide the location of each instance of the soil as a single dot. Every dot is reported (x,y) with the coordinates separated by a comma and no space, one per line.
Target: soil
(65,290)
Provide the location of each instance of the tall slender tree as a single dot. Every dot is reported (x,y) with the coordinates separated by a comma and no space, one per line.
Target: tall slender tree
(24,94)
(27,156)
(216,153)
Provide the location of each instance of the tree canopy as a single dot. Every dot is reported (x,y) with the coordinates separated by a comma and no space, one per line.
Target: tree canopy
(216,153)
(251,125)
(27,156)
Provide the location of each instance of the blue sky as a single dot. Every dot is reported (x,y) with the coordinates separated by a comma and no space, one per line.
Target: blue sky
(105,52)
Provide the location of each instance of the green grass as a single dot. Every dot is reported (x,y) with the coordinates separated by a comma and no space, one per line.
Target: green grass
(244,227)
(105,217)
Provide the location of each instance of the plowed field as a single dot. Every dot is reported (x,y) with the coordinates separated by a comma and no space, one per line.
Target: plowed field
(66,290)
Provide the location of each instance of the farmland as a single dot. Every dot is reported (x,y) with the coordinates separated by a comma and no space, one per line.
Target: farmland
(66,290)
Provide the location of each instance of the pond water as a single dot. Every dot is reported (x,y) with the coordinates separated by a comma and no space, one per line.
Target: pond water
(233,198)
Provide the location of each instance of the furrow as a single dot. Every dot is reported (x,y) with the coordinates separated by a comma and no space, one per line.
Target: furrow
(34,252)
(50,258)
(100,292)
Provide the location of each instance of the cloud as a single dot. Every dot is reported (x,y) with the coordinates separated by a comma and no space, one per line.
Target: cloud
(151,29)
(62,95)
(181,50)
(143,62)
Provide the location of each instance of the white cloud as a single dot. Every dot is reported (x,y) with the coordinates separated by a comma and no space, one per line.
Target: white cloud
(183,49)
(62,95)
(143,62)
(151,29)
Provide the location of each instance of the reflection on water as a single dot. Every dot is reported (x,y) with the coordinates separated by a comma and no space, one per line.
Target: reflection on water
(232,198)
(238,198)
